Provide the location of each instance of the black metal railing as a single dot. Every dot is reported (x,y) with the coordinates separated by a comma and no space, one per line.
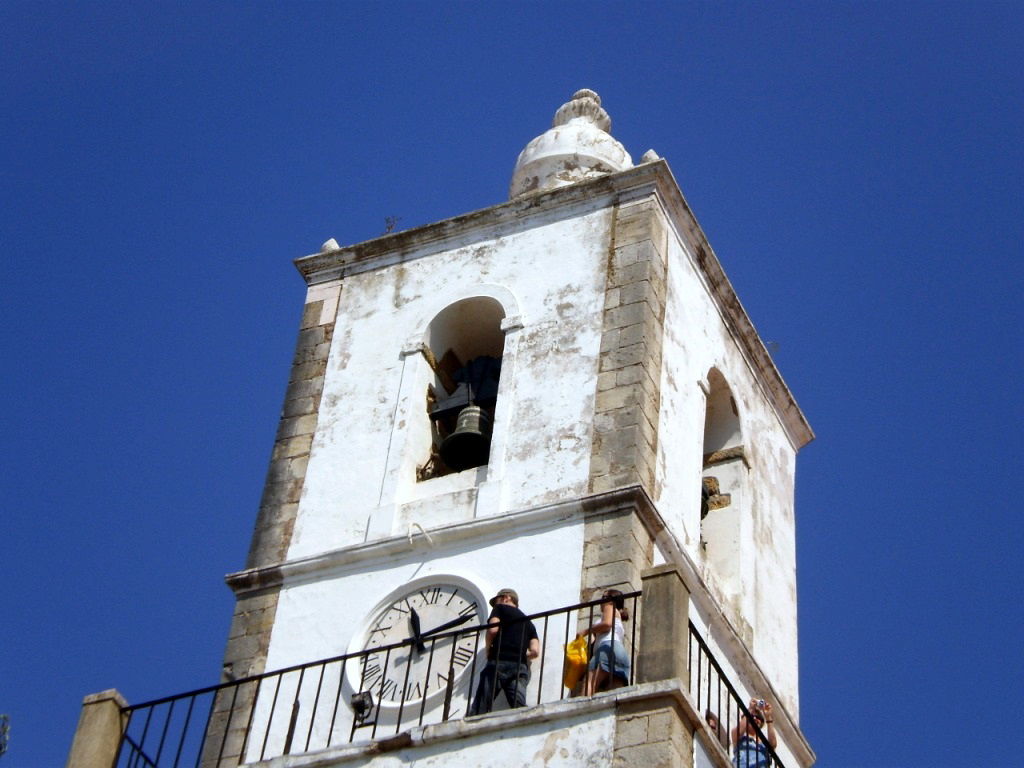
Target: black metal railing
(723,708)
(366,695)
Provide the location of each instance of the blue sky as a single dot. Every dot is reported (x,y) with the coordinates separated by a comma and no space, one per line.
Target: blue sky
(856,166)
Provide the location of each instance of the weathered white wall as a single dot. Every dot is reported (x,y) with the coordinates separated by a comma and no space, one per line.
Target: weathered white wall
(317,617)
(763,607)
(360,484)
(701,758)
(550,273)
(325,614)
(587,739)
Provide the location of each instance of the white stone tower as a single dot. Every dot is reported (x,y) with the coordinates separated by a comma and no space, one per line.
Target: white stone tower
(640,437)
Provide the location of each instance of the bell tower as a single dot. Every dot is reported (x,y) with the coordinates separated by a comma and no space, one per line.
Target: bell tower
(560,394)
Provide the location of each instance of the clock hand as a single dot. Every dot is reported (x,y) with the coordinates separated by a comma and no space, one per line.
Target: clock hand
(414,621)
(447,625)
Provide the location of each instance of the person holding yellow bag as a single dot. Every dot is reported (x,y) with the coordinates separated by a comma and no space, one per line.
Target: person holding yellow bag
(610,662)
(575,662)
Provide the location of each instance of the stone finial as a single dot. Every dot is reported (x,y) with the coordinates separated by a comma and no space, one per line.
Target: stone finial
(585,103)
(330,245)
(649,156)
(576,147)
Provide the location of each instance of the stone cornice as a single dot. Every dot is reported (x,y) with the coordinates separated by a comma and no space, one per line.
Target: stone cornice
(355,557)
(649,178)
(730,308)
(423,241)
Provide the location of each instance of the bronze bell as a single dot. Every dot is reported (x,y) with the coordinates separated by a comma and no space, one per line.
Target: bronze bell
(470,444)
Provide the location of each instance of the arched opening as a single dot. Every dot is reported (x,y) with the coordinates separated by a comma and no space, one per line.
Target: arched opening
(721,418)
(464,344)
(722,484)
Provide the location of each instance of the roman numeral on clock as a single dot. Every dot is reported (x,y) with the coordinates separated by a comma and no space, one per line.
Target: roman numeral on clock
(388,689)
(413,692)
(371,671)
(431,596)
(462,656)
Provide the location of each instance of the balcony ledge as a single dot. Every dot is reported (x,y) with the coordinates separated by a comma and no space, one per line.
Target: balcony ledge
(503,722)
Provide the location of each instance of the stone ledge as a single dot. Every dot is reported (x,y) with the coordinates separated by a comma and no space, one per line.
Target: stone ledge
(726,454)
(111,694)
(497,722)
(354,556)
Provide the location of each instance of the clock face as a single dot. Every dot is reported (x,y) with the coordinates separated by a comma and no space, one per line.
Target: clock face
(430,610)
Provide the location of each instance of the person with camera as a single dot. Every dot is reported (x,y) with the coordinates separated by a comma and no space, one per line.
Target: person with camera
(751,749)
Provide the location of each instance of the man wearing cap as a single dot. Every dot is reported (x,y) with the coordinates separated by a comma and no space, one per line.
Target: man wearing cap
(511,645)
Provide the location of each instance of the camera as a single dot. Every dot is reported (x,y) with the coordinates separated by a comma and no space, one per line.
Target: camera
(760,703)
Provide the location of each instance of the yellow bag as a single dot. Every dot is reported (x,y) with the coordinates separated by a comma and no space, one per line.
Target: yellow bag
(575,662)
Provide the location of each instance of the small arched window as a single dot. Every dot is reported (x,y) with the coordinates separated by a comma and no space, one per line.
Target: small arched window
(464,344)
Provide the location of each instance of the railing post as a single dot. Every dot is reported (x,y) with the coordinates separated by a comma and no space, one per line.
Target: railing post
(655,730)
(100,727)
(664,632)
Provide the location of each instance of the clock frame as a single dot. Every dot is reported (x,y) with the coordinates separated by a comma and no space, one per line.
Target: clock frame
(422,673)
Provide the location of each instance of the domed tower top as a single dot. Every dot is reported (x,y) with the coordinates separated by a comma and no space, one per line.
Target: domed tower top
(577,147)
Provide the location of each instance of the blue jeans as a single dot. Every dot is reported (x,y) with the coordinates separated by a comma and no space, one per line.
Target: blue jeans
(511,677)
(609,658)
